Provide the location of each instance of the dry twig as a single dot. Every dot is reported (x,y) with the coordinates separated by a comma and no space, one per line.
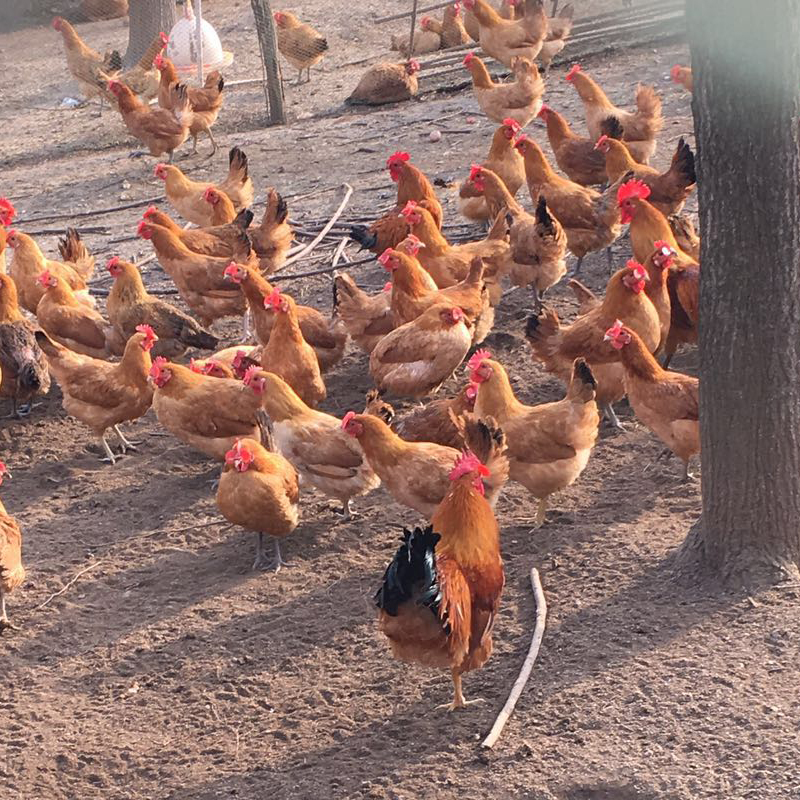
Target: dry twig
(67,585)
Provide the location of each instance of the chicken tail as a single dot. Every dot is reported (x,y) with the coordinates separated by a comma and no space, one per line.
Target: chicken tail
(266,431)
(543,216)
(535,20)
(582,386)
(475,274)
(74,251)
(683,164)
(113,61)
(364,236)
(376,406)
(540,330)
(612,127)
(199,338)
(499,229)
(584,295)
(181,106)
(244,219)
(649,114)
(237,167)
(486,439)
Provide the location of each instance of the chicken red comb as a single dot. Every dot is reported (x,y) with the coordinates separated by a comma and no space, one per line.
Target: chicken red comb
(675,73)
(158,363)
(397,158)
(141,227)
(457,7)
(387,287)
(112,84)
(112,262)
(544,110)
(521,141)
(633,190)
(147,331)
(639,272)
(158,168)
(615,330)
(44,278)
(466,463)
(249,373)
(415,66)
(468,58)
(385,256)
(195,365)
(7,211)
(576,68)
(346,419)
(164,39)
(411,245)
(665,247)
(158,61)
(513,124)
(209,194)
(273,299)
(149,211)
(478,358)
(210,365)
(409,208)
(425,21)
(3,468)
(232,269)
(603,138)
(240,356)
(475,172)
(472,391)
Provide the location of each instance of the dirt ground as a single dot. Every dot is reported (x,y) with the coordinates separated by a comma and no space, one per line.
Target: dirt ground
(170,670)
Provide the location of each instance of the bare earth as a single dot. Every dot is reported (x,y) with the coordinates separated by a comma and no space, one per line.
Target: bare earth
(170,670)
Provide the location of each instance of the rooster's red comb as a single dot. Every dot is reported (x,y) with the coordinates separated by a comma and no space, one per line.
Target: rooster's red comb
(475,172)
(633,190)
(468,462)
(397,158)
(346,419)
(7,211)
(576,68)
(513,124)
(478,358)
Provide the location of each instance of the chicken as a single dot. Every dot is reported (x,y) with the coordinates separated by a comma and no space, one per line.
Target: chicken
(391,228)
(577,156)
(22,363)
(520,100)
(367,318)
(558,31)
(647,223)
(386,83)
(129,306)
(259,490)
(417,358)
(199,279)
(449,264)
(640,128)
(504,161)
(685,235)
(75,254)
(557,347)
(3,235)
(299,43)
(143,78)
(506,39)
(683,282)
(591,220)
(229,241)
(205,103)
(212,368)
(161,131)
(314,442)
(668,190)
(29,263)
(86,65)
(188,197)
(683,76)
(415,473)
(289,355)
(411,297)
(273,238)
(70,323)
(209,414)
(441,593)
(668,403)
(103,395)
(426,40)
(454,33)
(324,335)
(549,444)
(12,573)
(239,358)
(471,24)
(7,212)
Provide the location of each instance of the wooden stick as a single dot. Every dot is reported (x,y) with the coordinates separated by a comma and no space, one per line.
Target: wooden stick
(324,271)
(96,213)
(527,666)
(413,26)
(68,584)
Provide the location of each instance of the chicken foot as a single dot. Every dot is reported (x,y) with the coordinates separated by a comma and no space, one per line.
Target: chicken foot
(5,622)
(110,457)
(458,696)
(276,563)
(125,444)
(611,416)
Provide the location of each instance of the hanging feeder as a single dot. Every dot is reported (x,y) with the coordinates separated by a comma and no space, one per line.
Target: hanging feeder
(182,46)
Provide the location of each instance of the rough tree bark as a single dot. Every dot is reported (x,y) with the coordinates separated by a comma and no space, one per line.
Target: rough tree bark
(147,18)
(746,103)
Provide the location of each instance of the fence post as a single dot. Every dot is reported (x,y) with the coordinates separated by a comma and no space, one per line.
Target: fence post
(267,41)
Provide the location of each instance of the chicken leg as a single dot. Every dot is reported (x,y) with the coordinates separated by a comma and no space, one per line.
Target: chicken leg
(110,457)
(125,445)
(458,696)
(5,622)
(276,563)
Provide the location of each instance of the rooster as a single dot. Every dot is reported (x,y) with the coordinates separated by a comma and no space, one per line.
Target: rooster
(12,573)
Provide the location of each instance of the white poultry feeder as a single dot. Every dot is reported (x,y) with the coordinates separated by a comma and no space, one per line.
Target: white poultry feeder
(182,47)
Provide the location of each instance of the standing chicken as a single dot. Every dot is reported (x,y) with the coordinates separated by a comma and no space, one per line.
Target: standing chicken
(273,237)
(299,43)
(505,39)
(367,318)
(12,573)
(23,364)
(103,395)
(441,593)
(386,83)
(259,491)
(453,31)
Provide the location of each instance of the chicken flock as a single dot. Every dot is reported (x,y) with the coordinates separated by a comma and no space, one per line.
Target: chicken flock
(253,406)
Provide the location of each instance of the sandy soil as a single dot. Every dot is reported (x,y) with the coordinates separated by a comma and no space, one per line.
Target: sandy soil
(170,670)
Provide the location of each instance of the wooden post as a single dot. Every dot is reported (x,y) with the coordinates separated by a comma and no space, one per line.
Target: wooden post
(199,35)
(267,41)
(413,26)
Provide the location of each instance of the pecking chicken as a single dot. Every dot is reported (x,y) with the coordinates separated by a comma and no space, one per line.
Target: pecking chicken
(577,156)
(209,414)
(591,220)
(386,83)
(299,43)
(506,163)
(454,33)
(504,39)
(441,593)
(187,197)
(683,76)
(668,403)
(558,31)
(548,445)
(259,491)
(367,318)
(326,336)
(70,323)
(668,190)
(103,395)
(557,347)
(12,573)
(392,228)
(415,473)
(159,130)
(29,263)
(640,128)
(428,39)
(324,455)
(199,279)
(205,103)
(129,306)
(288,354)
(415,359)
(273,237)
(520,100)
(22,363)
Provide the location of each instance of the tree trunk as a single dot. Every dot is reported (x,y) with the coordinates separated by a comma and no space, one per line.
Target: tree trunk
(746,66)
(148,18)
